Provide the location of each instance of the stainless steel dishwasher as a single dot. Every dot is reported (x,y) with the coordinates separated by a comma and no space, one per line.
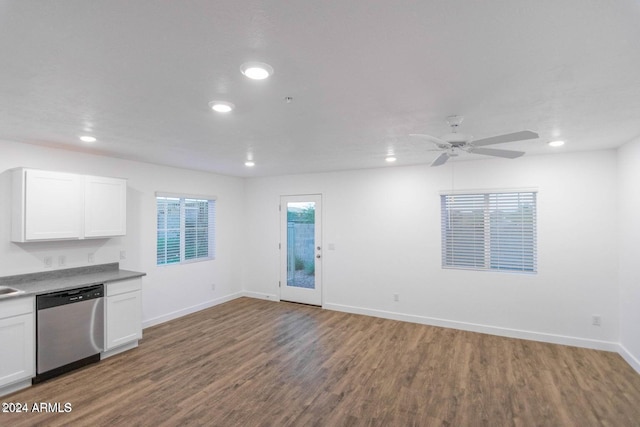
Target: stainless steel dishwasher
(70,330)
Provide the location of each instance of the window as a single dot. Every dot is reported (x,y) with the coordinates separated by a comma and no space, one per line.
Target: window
(489,231)
(186,229)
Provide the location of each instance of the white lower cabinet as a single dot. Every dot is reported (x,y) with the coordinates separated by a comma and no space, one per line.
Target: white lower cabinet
(123,314)
(123,329)
(17,344)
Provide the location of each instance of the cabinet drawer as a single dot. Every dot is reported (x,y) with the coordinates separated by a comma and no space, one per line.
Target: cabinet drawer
(124,286)
(16,306)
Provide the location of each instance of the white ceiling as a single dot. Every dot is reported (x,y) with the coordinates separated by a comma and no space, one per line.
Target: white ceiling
(363,75)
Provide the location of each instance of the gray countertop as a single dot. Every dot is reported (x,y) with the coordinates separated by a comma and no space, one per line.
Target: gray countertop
(60,280)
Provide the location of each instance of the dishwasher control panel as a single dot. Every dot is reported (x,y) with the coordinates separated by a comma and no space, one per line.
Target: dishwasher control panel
(55,299)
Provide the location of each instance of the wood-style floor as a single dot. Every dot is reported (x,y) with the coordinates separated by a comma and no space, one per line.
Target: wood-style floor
(258,363)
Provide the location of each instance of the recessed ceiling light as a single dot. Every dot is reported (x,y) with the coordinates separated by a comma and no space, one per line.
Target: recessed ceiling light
(390,159)
(221,106)
(249,163)
(557,143)
(87,138)
(256,70)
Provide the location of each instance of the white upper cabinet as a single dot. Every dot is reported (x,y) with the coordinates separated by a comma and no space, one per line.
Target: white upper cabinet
(52,206)
(105,206)
(55,206)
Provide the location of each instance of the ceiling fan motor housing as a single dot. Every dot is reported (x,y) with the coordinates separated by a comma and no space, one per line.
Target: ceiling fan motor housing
(456,139)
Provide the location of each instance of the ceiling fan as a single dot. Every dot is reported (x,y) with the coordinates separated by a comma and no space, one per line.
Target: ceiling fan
(453,142)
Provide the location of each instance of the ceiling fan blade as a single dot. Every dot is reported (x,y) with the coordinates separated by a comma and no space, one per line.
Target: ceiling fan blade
(507,154)
(507,137)
(433,139)
(441,159)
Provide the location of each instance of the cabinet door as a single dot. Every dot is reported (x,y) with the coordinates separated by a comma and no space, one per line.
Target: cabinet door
(105,206)
(17,352)
(124,319)
(53,205)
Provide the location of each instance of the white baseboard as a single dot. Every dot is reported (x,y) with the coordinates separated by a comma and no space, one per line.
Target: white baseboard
(629,358)
(485,329)
(12,388)
(260,295)
(179,313)
(432,321)
(118,350)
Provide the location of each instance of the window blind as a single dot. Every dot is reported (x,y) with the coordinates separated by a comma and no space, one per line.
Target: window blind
(185,229)
(489,231)
(169,235)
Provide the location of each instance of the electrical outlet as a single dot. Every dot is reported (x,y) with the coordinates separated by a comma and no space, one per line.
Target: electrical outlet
(123,254)
(62,260)
(90,258)
(48,262)
(213,286)
(396,297)
(596,320)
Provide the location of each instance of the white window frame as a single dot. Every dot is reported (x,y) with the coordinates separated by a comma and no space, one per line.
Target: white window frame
(475,242)
(183,200)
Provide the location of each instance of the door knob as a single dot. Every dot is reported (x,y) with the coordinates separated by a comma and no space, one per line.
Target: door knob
(318,256)
(318,248)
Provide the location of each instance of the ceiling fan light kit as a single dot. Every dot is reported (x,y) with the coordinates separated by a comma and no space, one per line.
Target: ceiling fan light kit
(453,142)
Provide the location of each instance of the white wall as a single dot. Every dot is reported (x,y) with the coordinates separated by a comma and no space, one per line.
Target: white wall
(629,254)
(168,291)
(385,226)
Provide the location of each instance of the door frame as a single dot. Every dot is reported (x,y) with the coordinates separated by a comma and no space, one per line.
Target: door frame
(301,295)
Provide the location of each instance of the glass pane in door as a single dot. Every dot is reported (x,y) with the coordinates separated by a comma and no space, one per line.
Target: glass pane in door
(300,244)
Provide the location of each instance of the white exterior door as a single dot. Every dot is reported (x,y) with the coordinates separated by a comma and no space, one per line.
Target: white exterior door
(301,249)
